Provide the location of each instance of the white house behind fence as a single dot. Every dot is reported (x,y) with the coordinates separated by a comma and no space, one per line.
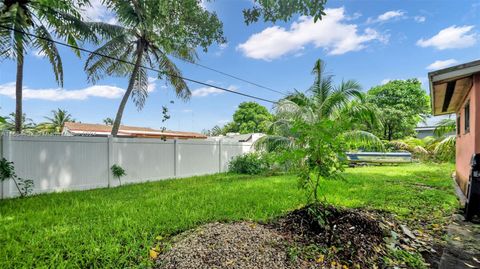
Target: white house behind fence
(57,163)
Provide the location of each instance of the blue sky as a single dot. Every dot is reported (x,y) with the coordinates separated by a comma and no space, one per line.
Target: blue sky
(369,41)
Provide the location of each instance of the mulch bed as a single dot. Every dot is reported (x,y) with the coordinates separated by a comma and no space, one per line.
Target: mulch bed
(340,238)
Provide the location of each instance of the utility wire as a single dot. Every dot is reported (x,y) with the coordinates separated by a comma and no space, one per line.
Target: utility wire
(232,76)
(146,67)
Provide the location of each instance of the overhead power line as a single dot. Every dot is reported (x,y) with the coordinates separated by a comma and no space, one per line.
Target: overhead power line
(146,67)
(233,76)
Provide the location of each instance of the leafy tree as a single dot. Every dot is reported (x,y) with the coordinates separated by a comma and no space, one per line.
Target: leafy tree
(319,154)
(283,10)
(344,103)
(56,122)
(215,131)
(108,121)
(39,17)
(250,117)
(403,104)
(148,32)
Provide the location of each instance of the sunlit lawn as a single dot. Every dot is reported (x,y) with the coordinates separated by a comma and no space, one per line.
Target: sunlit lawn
(115,227)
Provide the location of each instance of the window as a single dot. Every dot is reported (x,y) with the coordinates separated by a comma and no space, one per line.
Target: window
(467,117)
(458,125)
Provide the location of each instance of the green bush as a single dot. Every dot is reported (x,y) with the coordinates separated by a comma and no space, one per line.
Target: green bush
(118,172)
(251,163)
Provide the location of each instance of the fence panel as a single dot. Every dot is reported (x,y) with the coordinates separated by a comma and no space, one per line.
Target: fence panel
(197,157)
(231,150)
(59,163)
(144,159)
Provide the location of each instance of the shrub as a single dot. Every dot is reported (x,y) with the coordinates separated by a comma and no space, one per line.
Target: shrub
(118,172)
(7,171)
(251,163)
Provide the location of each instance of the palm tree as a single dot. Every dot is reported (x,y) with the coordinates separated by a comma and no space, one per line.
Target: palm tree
(9,123)
(343,103)
(148,33)
(108,121)
(56,122)
(19,18)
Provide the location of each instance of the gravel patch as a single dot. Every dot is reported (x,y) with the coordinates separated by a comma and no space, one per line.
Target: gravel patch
(221,245)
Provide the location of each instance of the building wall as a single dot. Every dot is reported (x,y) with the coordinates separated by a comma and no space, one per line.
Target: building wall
(468,143)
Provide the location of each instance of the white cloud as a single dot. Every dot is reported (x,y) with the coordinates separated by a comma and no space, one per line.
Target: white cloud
(441,64)
(38,54)
(331,33)
(389,15)
(187,111)
(206,91)
(452,37)
(151,84)
(420,18)
(99,12)
(58,94)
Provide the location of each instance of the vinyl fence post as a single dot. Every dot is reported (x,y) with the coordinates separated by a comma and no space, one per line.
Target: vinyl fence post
(175,157)
(109,158)
(5,185)
(220,155)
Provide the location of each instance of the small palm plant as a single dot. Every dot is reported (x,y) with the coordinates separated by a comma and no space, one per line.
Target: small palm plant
(118,172)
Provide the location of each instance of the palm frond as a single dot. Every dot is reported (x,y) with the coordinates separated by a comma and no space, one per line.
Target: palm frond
(97,66)
(140,88)
(363,139)
(445,149)
(272,143)
(444,127)
(172,73)
(50,50)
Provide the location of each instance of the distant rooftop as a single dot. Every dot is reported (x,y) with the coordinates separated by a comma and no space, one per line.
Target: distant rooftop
(87,129)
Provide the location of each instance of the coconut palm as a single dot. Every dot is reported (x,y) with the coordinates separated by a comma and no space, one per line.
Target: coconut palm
(345,103)
(39,18)
(149,32)
(56,122)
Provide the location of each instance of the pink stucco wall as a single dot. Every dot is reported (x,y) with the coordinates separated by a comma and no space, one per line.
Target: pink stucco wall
(468,143)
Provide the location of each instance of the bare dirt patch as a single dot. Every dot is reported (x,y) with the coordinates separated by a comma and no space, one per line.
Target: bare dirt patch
(310,237)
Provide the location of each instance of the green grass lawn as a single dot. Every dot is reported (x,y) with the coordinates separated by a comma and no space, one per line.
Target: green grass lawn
(116,227)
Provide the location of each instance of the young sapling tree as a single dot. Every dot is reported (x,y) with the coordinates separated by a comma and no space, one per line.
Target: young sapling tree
(118,172)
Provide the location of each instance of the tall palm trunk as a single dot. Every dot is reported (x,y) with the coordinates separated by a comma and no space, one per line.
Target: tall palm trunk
(131,83)
(18,92)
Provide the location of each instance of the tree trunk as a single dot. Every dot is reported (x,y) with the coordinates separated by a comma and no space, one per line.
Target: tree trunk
(131,83)
(18,93)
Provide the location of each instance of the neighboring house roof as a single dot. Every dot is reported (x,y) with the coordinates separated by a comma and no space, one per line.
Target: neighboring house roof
(448,86)
(75,128)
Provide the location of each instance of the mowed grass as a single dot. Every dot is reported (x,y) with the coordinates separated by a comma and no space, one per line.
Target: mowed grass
(114,228)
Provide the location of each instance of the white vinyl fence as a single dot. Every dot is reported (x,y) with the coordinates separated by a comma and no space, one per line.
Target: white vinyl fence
(57,163)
